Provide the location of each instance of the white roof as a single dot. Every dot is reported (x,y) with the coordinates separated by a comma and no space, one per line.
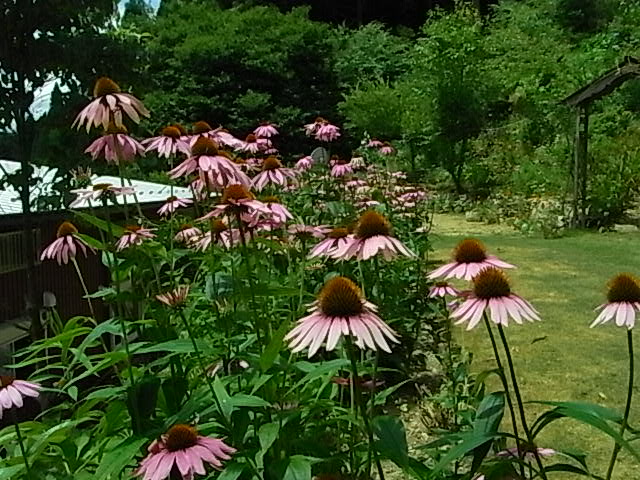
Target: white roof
(146,192)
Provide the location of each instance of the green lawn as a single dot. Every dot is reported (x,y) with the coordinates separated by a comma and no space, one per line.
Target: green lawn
(565,279)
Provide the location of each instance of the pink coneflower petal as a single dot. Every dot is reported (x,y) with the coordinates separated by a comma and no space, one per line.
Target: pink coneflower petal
(183,449)
(470,258)
(492,295)
(340,311)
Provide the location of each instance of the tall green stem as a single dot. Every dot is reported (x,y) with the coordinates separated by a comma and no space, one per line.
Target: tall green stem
(516,390)
(506,389)
(360,403)
(627,408)
(84,287)
(23,451)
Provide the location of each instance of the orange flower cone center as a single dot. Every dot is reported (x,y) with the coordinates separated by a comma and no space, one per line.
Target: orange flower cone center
(204,146)
(171,131)
(218,226)
(133,228)
(371,223)
(338,233)
(236,192)
(491,283)
(251,138)
(271,163)
(201,127)
(102,186)
(66,228)
(181,437)
(623,288)
(6,380)
(341,297)
(470,251)
(172,199)
(105,86)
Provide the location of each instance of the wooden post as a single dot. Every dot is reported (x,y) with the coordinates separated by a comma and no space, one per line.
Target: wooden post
(580,165)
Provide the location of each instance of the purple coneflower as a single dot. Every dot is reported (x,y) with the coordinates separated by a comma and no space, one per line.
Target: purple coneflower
(175,297)
(266,130)
(172,204)
(272,172)
(168,144)
(223,137)
(66,245)
(186,233)
(623,302)
(134,235)
(340,310)
(305,163)
(340,168)
(97,191)
(336,239)
(387,149)
(107,107)
(312,128)
(492,292)
(470,257)
(374,143)
(13,391)
(182,453)
(254,145)
(442,289)
(327,132)
(372,236)
(200,130)
(115,146)
(237,200)
(279,213)
(219,234)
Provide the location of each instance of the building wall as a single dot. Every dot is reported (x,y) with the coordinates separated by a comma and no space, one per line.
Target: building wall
(61,280)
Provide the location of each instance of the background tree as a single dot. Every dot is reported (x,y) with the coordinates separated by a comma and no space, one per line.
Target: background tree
(39,41)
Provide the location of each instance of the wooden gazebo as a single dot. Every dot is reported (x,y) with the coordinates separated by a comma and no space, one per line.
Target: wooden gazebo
(581,100)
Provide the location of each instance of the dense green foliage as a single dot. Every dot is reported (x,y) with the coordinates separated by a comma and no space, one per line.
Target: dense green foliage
(235,68)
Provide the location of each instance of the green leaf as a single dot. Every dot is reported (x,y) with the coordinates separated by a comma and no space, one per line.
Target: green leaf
(391,438)
(391,442)
(270,353)
(299,468)
(251,401)
(180,345)
(488,418)
(232,471)
(469,443)
(92,242)
(267,434)
(73,393)
(114,462)
(224,401)
(317,370)
(587,413)
(101,224)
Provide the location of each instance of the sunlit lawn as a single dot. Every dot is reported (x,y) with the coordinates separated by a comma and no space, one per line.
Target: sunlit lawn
(565,280)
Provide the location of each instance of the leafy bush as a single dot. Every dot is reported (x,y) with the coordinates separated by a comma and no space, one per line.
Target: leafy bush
(237,67)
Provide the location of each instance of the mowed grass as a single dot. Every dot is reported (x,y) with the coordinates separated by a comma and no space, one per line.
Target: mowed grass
(565,279)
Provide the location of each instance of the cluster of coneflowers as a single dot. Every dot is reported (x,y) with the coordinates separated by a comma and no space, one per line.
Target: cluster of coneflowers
(491,299)
(225,174)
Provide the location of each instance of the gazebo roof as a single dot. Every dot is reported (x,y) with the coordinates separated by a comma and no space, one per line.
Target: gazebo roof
(605,84)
